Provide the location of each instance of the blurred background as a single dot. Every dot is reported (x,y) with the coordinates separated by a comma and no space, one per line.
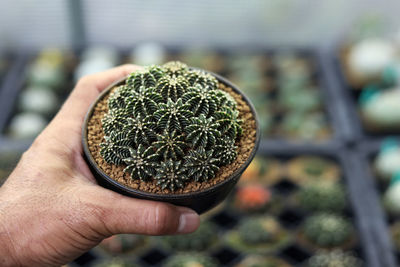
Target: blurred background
(323,76)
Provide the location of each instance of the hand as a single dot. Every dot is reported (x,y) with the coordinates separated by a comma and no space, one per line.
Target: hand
(52,210)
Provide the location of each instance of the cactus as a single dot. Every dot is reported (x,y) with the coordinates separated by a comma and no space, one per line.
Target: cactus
(115,262)
(323,196)
(262,261)
(335,258)
(259,230)
(171,124)
(327,230)
(252,198)
(200,240)
(190,260)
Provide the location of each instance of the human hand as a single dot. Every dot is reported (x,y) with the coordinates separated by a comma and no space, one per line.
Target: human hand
(52,210)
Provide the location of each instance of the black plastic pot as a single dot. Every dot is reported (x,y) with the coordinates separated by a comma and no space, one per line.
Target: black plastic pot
(200,201)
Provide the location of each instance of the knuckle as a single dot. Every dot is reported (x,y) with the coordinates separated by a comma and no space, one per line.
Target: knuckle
(84,80)
(162,220)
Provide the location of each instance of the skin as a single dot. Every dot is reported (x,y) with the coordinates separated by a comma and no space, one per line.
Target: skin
(52,210)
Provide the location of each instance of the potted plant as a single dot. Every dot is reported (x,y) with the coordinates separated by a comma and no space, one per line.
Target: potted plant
(327,231)
(190,259)
(337,258)
(323,196)
(253,260)
(259,235)
(171,133)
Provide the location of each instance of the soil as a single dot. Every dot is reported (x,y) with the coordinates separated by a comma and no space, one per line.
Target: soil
(245,145)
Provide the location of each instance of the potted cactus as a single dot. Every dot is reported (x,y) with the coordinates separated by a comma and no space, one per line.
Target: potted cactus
(255,198)
(258,260)
(259,235)
(171,133)
(322,196)
(305,169)
(190,260)
(327,231)
(336,258)
(115,262)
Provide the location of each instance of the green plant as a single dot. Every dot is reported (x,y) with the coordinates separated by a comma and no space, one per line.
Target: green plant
(327,230)
(315,166)
(335,258)
(254,260)
(322,196)
(172,124)
(190,260)
(259,230)
(197,241)
(115,262)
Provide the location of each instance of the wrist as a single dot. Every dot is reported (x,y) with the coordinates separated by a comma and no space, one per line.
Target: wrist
(7,251)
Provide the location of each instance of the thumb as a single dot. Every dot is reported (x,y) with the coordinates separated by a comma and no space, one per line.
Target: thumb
(121,214)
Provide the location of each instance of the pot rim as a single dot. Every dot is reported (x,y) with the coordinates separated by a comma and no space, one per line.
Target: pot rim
(236,174)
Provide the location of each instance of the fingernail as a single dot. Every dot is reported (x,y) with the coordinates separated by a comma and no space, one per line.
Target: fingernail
(188,222)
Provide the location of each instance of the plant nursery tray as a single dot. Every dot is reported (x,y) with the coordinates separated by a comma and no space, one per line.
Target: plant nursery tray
(16,82)
(226,219)
(349,97)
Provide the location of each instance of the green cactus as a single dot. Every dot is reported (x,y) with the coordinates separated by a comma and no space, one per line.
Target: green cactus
(141,163)
(115,262)
(323,196)
(200,240)
(116,147)
(259,230)
(190,260)
(335,258)
(170,145)
(173,115)
(201,164)
(225,150)
(171,174)
(328,230)
(176,116)
(202,132)
(202,101)
(253,260)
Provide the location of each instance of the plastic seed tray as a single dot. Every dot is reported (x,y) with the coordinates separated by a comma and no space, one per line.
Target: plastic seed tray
(289,215)
(350,104)
(341,142)
(384,221)
(259,73)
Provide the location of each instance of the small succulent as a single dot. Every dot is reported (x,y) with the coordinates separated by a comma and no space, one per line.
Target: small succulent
(322,196)
(252,198)
(315,167)
(335,258)
(172,124)
(327,230)
(262,261)
(259,230)
(190,260)
(115,262)
(197,241)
